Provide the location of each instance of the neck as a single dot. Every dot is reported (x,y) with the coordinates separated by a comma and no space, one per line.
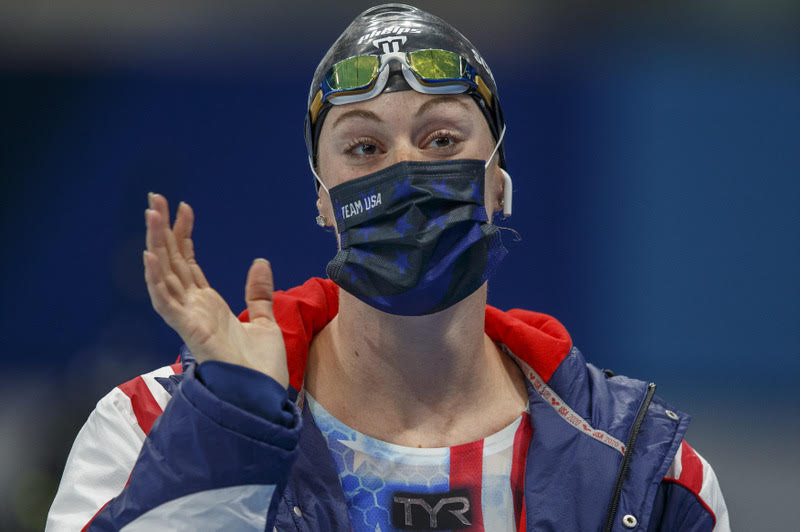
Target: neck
(423,348)
(411,372)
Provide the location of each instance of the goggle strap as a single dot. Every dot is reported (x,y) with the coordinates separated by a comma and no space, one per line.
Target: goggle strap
(316,105)
(483,90)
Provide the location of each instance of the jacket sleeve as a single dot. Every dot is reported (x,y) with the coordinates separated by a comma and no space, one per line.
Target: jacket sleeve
(209,461)
(689,497)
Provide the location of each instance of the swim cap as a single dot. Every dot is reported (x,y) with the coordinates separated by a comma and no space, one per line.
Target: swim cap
(403,28)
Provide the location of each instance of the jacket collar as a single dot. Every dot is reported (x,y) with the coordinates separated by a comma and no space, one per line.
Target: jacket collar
(301,312)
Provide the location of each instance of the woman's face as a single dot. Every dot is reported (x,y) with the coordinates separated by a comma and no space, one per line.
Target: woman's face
(363,137)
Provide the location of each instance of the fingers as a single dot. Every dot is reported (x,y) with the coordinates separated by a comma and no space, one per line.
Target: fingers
(161,298)
(184,224)
(157,246)
(258,291)
(182,230)
(168,253)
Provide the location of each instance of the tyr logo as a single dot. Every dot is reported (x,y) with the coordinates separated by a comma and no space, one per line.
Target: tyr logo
(431,511)
(390,44)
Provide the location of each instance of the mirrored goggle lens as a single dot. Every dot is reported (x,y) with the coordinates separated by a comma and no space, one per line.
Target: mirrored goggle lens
(353,73)
(436,65)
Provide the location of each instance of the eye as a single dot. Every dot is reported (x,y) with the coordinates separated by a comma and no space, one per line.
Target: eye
(362,148)
(441,140)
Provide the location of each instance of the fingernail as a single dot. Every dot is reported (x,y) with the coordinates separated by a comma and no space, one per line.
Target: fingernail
(150,199)
(145,217)
(260,260)
(180,205)
(144,257)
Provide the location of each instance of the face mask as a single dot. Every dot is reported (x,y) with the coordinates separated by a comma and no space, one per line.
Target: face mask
(415,237)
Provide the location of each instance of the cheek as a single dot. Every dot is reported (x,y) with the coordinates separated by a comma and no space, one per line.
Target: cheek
(331,171)
(330,167)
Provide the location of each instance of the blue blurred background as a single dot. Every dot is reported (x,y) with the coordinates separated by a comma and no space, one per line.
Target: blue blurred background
(655,150)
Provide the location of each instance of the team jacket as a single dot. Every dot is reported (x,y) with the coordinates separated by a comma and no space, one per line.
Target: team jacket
(162,452)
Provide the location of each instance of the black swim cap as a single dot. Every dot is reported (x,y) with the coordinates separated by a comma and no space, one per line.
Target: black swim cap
(411,29)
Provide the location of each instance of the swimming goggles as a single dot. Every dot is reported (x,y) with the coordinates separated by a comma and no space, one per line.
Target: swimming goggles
(429,71)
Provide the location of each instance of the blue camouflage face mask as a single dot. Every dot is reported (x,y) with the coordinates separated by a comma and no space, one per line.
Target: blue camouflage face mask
(415,237)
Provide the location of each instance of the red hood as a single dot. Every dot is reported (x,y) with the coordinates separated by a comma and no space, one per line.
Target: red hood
(538,339)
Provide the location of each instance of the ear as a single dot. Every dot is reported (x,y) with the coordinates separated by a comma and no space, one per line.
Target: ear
(324,206)
(325,209)
(499,190)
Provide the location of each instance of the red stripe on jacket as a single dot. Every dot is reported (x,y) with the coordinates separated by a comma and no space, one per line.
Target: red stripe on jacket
(522,440)
(691,476)
(145,406)
(691,469)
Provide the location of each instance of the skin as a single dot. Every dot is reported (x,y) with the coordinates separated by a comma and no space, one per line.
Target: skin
(422,381)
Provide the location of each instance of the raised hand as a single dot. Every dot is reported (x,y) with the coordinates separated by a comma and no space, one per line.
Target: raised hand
(182,296)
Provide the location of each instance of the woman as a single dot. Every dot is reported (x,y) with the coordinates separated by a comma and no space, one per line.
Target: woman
(389,397)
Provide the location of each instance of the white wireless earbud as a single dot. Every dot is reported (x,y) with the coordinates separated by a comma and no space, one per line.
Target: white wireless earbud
(507,193)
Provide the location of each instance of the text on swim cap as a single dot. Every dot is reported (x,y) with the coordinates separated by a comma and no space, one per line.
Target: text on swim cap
(391,30)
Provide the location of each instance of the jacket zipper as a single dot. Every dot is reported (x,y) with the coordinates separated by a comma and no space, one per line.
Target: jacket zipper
(626,460)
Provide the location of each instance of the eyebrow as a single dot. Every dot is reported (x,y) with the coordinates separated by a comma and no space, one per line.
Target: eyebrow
(424,108)
(357,113)
(441,100)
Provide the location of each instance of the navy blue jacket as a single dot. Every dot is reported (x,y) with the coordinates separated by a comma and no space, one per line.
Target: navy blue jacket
(606,453)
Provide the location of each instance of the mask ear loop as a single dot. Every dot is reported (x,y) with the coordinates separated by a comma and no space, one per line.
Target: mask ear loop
(507,184)
(496,147)
(507,193)
(320,219)
(311,166)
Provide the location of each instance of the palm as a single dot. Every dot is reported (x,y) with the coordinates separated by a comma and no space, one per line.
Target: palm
(182,296)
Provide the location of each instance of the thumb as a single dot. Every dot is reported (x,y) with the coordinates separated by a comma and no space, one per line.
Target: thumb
(258,291)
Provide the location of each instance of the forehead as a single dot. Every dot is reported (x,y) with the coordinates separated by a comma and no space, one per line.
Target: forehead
(402,106)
